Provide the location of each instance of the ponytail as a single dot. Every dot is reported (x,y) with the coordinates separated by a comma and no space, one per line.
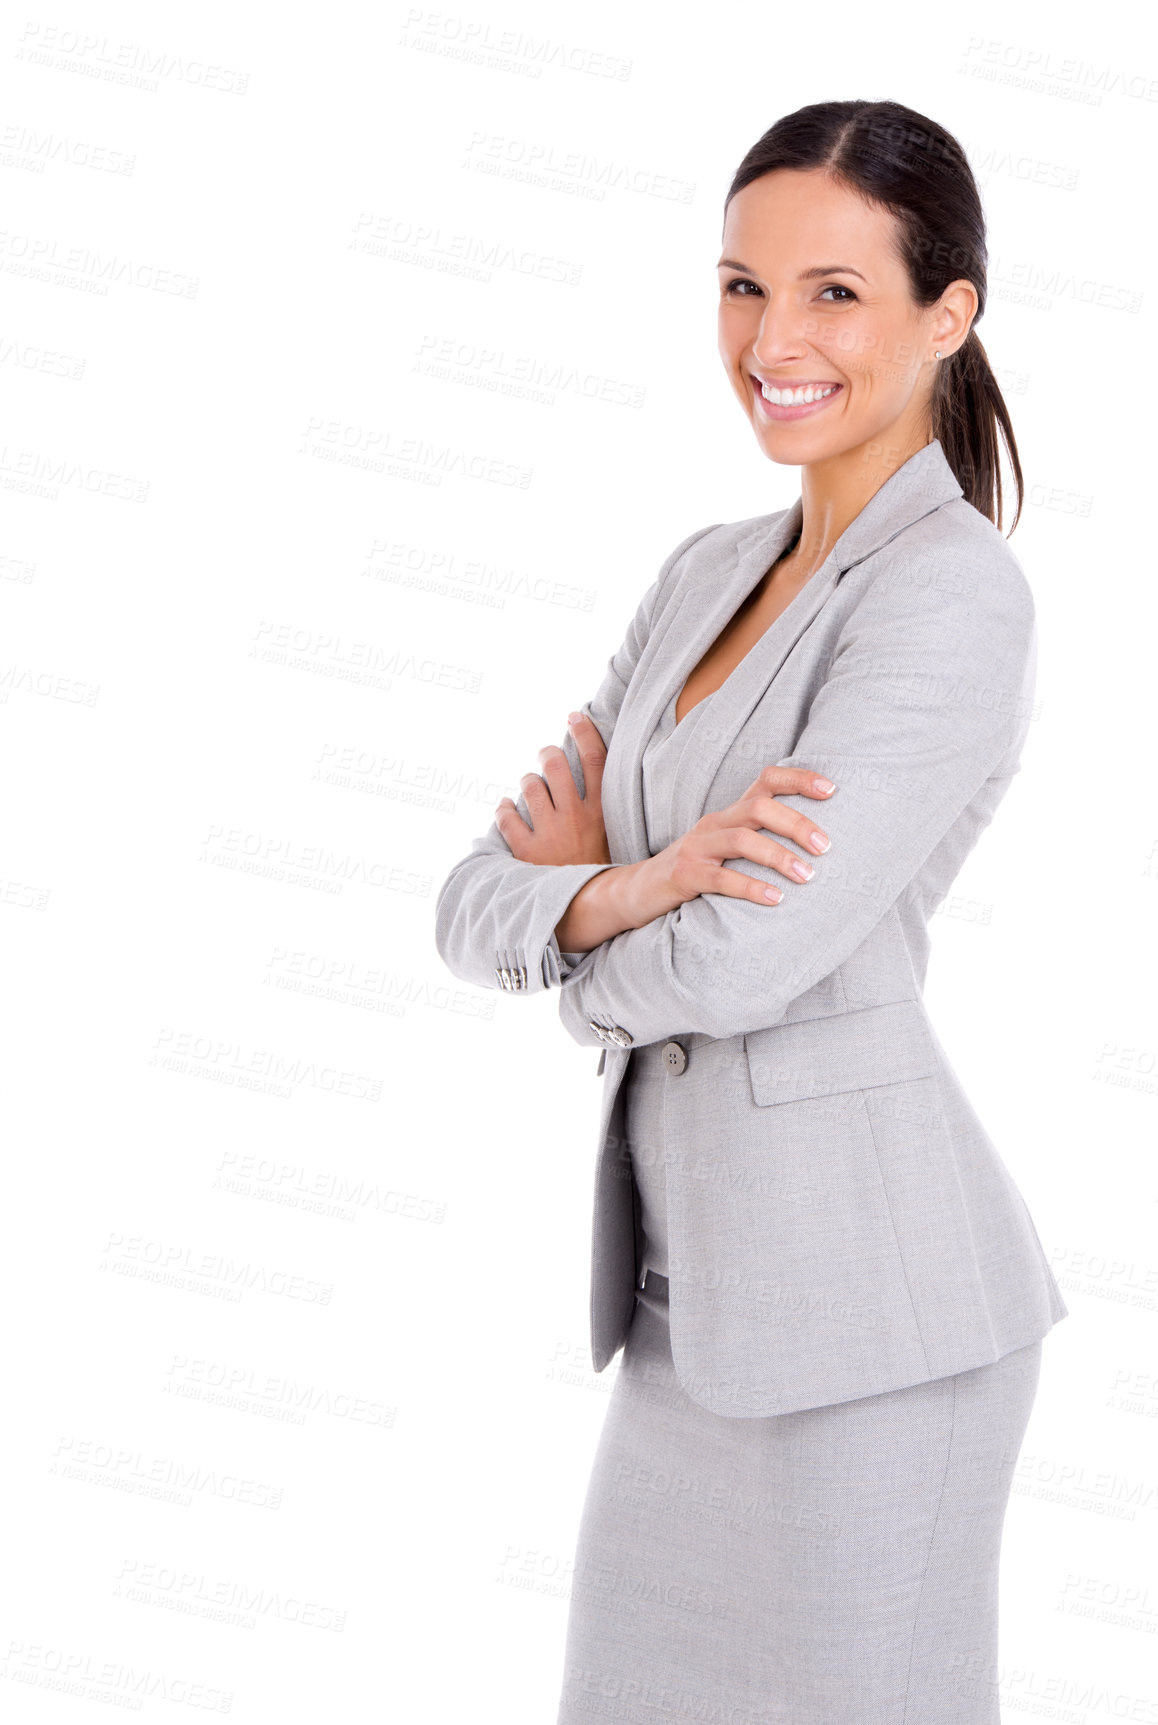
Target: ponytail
(968,412)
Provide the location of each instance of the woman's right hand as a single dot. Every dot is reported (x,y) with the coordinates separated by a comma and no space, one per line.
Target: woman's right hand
(694,863)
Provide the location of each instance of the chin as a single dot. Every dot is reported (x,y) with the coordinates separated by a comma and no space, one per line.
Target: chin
(790,451)
(782,458)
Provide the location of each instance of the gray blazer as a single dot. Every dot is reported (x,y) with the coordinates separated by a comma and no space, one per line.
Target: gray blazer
(839,1223)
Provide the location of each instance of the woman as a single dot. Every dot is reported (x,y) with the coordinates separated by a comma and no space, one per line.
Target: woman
(829,1293)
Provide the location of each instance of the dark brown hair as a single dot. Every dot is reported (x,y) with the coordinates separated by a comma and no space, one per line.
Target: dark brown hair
(907,164)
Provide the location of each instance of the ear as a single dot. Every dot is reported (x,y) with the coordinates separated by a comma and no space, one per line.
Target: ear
(953,317)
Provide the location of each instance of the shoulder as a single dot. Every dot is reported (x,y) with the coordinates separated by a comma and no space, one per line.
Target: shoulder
(726,538)
(700,558)
(708,544)
(960,551)
(953,561)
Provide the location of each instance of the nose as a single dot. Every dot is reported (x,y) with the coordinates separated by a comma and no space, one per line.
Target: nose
(781,337)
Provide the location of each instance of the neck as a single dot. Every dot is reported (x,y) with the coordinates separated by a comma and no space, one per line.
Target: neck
(834,491)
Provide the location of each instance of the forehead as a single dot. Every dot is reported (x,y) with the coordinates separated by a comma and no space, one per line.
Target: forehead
(789,221)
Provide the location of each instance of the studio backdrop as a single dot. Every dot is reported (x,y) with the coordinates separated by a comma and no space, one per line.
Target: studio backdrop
(359,374)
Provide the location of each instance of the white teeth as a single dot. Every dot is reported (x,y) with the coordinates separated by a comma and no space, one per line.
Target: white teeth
(795,397)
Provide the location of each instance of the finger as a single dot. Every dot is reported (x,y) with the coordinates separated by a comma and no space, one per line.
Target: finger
(536,795)
(759,809)
(730,883)
(513,828)
(768,811)
(795,781)
(556,771)
(743,842)
(592,751)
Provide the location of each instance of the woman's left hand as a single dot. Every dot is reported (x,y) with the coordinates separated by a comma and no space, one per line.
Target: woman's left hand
(567,828)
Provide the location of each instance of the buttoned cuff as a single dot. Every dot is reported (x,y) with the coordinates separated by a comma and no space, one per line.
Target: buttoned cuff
(555,887)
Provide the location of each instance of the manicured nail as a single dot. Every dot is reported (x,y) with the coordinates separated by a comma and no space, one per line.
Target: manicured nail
(824,785)
(774,893)
(801,870)
(819,842)
(573,718)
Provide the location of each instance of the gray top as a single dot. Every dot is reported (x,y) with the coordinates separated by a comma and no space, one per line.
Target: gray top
(660,768)
(661,759)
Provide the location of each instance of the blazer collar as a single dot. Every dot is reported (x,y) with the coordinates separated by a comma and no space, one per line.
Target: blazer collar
(923,484)
(725,577)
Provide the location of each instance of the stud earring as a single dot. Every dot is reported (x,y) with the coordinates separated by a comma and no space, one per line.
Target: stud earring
(937,355)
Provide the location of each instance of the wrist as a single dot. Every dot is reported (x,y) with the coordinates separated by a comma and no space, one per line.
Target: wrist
(623,898)
(604,906)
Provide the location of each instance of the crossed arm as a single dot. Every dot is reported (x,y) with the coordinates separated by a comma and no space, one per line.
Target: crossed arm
(927,696)
(502,909)
(497,912)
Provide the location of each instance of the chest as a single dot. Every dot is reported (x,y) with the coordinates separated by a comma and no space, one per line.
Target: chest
(699,723)
(749,624)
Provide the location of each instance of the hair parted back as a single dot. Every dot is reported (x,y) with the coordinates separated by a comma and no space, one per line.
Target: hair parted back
(909,165)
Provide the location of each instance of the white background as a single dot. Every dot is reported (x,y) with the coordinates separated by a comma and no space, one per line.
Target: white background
(300,1410)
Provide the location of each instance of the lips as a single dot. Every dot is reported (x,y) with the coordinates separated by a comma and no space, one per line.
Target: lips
(794,399)
(790,393)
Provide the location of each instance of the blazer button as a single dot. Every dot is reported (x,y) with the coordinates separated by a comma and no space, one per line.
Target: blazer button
(613,1035)
(674,1058)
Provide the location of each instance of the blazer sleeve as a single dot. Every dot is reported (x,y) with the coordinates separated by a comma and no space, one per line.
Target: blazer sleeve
(928,692)
(495,916)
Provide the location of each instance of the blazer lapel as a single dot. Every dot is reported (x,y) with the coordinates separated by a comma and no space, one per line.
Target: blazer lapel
(679,642)
(676,645)
(731,705)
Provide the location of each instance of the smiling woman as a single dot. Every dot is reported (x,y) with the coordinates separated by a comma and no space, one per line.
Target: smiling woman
(804,342)
(829,1293)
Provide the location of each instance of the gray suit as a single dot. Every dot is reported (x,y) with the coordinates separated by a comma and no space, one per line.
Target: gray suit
(903,671)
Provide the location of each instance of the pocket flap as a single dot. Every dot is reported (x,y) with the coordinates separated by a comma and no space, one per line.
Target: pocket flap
(849,1051)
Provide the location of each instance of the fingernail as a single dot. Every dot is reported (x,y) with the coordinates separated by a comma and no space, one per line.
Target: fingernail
(572,717)
(801,870)
(823,785)
(819,842)
(774,893)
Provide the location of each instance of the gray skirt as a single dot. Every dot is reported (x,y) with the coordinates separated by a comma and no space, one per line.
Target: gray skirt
(833,1566)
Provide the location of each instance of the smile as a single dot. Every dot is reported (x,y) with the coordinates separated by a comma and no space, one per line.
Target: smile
(793,401)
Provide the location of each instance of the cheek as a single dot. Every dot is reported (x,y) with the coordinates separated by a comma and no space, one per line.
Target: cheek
(731,328)
(866,349)
(887,359)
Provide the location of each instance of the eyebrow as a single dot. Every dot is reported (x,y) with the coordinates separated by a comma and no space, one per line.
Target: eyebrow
(805,275)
